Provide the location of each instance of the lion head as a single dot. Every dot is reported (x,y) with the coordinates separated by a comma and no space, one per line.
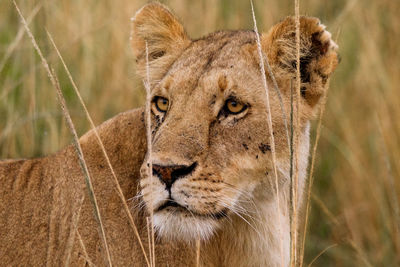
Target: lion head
(211,152)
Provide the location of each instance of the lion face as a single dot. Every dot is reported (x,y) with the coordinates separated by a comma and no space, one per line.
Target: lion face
(211,147)
(205,157)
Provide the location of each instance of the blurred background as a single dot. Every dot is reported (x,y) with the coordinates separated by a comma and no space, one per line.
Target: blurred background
(355,215)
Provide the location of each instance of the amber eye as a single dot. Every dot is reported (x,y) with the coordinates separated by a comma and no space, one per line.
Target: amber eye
(234,107)
(161,104)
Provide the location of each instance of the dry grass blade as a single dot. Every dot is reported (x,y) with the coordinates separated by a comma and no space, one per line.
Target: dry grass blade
(10,49)
(360,253)
(85,255)
(83,165)
(311,177)
(198,253)
(18,38)
(350,5)
(278,92)
(74,222)
(149,149)
(73,131)
(149,239)
(115,179)
(335,222)
(392,194)
(291,165)
(322,252)
(318,201)
(293,241)
(269,120)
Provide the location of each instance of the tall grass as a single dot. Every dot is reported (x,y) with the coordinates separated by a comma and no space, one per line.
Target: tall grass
(56,85)
(149,142)
(355,195)
(93,127)
(270,129)
(296,137)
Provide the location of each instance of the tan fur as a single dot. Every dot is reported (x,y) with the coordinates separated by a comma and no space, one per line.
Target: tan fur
(227,199)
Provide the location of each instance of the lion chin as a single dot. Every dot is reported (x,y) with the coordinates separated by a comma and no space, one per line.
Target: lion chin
(184,226)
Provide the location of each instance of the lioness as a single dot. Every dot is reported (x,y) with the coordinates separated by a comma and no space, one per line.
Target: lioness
(212,173)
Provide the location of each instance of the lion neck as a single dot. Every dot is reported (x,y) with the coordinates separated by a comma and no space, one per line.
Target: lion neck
(262,239)
(251,242)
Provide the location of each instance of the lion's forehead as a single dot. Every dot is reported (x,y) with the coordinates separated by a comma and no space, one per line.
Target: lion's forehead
(220,50)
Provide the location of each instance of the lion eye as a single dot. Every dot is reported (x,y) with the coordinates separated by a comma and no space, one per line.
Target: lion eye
(161,104)
(234,107)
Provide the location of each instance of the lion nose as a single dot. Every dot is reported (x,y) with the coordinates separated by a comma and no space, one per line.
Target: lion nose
(169,174)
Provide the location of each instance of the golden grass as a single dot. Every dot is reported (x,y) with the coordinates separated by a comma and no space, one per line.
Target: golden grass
(93,127)
(85,255)
(355,194)
(146,84)
(310,179)
(295,144)
(270,129)
(77,145)
(319,255)
(64,108)
(71,241)
(198,244)
(56,84)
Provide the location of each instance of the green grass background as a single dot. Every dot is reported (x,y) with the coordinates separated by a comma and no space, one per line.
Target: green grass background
(356,192)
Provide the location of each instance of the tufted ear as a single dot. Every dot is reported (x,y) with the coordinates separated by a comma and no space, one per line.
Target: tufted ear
(318,56)
(155,25)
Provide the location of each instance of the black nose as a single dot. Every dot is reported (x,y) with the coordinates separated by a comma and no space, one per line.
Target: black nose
(169,174)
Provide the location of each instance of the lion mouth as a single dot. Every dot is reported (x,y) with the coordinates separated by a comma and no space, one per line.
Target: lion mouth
(169,203)
(177,207)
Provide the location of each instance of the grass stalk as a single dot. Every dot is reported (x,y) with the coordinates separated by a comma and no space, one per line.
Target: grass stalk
(392,193)
(70,124)
(293,258)
(270,129)
(149,238)
(310,176)
(322,252)
(291,166)
(278,92)
(362,256)
(18,38)
(149,150)
(71,241)
(198,253)
(83,247)
(84,167)
(93,127)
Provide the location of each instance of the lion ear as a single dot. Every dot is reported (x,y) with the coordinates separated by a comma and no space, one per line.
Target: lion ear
(165,37)
(318,55)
